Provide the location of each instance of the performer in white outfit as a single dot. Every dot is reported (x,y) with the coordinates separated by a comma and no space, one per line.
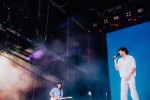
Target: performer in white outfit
(127,69)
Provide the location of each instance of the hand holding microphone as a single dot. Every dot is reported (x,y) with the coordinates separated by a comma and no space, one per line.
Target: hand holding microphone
(116,56)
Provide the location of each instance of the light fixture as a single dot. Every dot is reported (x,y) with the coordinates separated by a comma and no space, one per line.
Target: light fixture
(140,10)
(105,21)
(116,17)
(128,14)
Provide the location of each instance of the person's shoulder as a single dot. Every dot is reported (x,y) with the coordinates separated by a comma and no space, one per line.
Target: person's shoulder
(131,57)
(54,88)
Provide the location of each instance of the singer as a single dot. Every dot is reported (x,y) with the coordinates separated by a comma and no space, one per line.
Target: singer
(127,68)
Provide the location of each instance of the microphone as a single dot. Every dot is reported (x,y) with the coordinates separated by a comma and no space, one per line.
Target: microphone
(116,56)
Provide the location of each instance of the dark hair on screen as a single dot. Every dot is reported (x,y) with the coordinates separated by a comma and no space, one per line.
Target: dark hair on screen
(59,83)
(123,49)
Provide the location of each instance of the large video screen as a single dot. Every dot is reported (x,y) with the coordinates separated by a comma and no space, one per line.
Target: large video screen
(137,40)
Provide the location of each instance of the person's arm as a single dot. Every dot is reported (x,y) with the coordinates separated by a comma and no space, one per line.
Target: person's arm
(115,64)
(132,69)
(51,93)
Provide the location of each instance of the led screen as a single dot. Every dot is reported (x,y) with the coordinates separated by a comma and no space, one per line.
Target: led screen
(137,40)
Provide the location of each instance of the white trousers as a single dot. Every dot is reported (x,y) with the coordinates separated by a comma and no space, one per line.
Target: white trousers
(124,89)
